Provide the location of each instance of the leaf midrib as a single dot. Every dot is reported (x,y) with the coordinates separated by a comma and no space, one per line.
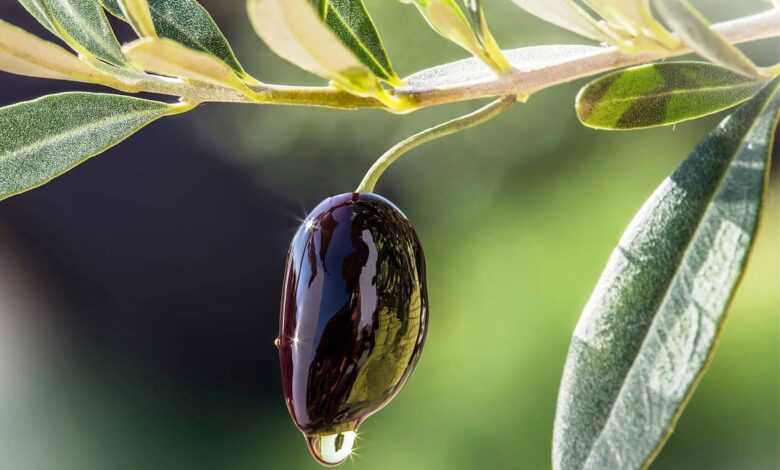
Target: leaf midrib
(672,280)
(108,47)
(676,92)
(361,44)
(169,21)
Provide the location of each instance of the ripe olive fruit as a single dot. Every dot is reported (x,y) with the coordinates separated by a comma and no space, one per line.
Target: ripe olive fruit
(354,316)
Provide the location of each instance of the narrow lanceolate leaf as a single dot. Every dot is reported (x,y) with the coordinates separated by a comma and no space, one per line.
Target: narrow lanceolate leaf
(139,16)
(566,14)
(662,94)
(23,53)
(635,20)
(479,24)
(188,23)
(37,10)
(695,31)
(167,57)
(449,21)
(467,72)
(44,138)
(84,26)
(293,30)
(650,328)
(350,21)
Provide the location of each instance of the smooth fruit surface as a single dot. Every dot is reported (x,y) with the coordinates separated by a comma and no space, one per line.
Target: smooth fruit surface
(353,317)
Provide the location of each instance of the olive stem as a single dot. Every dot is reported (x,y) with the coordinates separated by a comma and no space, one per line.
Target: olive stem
(458,124)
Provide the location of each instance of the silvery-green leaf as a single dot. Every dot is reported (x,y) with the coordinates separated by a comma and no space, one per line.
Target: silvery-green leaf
(188,23)
(472,71)
(662,94)
(36,9)
(84,26)
(650,328)
(43,138)
(351,23)
(695,31)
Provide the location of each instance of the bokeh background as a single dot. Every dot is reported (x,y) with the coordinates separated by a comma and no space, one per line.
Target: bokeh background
(139,292)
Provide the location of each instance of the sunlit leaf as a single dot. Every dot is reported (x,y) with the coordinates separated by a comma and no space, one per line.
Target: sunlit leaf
(566,14)
(479,25)
(449,21)
(43,138)
(37,10)
(292,29)
(650,328)
(23,53)
(139,16)
(350,21)
(188,23)
(167,57)
(84,26)
(695,31)
(662,94)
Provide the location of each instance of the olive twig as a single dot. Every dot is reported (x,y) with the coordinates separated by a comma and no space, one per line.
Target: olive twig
(516,82)
(458,124)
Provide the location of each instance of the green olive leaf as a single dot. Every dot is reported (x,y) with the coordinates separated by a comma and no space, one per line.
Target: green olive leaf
(479,25)
(467,31)
(170,58)
(351,23)
(83,25)
(650,328)
(38,11)
(43,138)
(188,23)
(139,16)
(23,53)
(695,31)
(662,94)
(294,31)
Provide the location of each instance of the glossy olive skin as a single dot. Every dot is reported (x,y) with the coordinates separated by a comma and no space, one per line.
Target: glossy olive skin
(354,312)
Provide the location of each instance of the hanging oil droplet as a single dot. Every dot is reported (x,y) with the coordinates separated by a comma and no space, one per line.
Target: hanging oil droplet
(331,449)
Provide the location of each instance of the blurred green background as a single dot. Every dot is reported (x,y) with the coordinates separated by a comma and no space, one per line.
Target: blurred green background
(517,218)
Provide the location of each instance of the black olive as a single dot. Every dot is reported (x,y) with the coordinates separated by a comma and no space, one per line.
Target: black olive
(354,316)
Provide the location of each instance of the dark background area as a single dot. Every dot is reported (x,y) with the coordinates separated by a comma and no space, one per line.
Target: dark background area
(139,292)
